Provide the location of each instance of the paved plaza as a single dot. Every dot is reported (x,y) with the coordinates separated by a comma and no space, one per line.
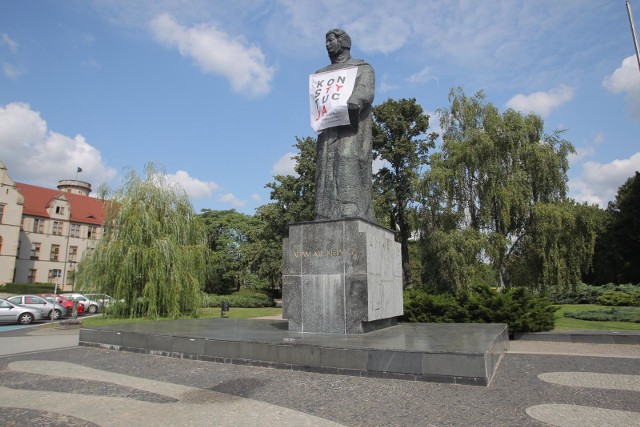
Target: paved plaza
(538,383)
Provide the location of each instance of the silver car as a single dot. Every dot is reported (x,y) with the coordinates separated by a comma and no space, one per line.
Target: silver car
(14,313)
(49,309)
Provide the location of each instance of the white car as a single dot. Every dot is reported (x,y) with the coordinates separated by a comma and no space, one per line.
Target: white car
(103,299)
(90,306)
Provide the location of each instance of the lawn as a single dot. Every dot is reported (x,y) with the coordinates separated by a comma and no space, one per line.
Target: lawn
(203,313)
(564,323)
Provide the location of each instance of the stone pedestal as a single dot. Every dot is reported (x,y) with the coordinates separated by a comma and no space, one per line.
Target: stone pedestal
(341,276)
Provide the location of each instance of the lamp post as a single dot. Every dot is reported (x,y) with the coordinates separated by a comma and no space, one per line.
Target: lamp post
(633,32)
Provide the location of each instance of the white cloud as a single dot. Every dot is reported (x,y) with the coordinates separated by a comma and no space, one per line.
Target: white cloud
(422,76)
(256,198)
(192,186)
(216,52)
(11,71)
(626,79)
(38,156)
(386,19)
(232,200)
(285,165)
(541,103)
(5,40)
(385,86)
(587,151)
(599,182)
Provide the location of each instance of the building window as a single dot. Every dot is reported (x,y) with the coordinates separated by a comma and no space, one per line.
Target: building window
(92,233)
(31,278)
(60,210)
(89,251)
(35,251)
(73,253)
(1,212)
(38,225)
(75,230)
(57,228)
(54,274)
(55,252)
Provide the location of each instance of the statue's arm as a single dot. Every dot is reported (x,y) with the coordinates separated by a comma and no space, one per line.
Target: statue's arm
(364,88)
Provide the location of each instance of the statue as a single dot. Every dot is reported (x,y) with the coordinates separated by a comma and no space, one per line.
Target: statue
(344,153)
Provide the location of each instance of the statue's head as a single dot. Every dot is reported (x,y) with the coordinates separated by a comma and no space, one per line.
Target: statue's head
(341,36)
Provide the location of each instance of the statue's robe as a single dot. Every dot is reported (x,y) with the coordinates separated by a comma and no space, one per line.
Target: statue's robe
(344,155)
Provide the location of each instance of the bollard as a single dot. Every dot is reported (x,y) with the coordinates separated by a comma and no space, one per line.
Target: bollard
(223,308)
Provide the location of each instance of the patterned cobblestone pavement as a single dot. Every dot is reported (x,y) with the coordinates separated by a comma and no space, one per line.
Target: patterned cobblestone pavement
(83,386)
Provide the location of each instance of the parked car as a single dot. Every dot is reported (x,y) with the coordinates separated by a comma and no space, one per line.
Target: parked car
(90,306)
(50,309)
(65,302)
(14,313)
(103,299)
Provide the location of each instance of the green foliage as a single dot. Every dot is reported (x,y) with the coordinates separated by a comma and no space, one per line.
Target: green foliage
(589,294)
(399,129)
(420,306)
(557,247)
(239,299)
(618,244)
(450,258)
(522,309)
(293,201)
(619,298)
(616,314)
(230,236)
(491,173)
(28,288)
(153,252)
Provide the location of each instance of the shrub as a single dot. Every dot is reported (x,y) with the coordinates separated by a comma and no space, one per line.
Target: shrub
(619,298)
(239,299)
(29,288)
(614,314)
(521,309)
(420,306)
(588,294)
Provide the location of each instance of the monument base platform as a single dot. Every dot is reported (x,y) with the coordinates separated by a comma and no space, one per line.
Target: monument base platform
(449,353)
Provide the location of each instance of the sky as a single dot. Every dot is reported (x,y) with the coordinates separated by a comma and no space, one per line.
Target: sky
(215,92)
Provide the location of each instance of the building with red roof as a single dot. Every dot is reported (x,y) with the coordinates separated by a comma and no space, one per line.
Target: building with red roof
(45,232)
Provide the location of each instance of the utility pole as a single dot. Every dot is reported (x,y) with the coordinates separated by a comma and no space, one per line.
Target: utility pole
(633,32)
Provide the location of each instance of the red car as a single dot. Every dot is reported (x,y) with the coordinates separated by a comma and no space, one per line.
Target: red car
(66,303)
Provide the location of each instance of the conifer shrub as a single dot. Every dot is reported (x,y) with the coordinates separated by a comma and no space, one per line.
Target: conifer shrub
(239,300)
(613,314)
(619,298)
(521,309)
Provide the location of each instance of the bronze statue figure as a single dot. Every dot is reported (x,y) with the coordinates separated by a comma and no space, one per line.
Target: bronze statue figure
(344,153)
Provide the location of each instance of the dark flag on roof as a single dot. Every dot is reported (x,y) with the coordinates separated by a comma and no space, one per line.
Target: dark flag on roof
(79,169)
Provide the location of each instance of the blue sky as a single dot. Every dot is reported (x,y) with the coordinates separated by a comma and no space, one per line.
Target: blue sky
(216,91)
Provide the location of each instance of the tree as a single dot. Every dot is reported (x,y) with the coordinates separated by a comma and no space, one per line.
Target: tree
(153,252)
(618,246)
(491,172)
(399,140)
(558,246)
(229,235)
(292,201)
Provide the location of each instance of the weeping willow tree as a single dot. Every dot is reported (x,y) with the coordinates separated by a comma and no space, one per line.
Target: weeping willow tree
(152,255)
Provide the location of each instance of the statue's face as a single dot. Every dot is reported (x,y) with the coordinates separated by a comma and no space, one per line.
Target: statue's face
(334,47)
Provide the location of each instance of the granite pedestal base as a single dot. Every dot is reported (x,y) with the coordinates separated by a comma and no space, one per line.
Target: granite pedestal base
(341,276)
(450,353)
